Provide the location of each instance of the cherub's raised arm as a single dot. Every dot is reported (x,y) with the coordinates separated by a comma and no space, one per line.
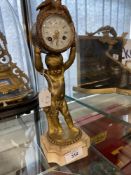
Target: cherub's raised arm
(71,59)
(38,61)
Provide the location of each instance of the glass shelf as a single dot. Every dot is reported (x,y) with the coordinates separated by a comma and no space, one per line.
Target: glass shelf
(19,152)
(108,153)
(106,119)
(106,122)
(19,138)
(114,106)
(94,164)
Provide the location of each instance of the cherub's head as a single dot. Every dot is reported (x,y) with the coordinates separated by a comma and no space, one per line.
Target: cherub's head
(54,63)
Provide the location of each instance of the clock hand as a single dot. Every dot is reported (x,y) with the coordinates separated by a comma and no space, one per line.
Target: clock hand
(56,43)
(56,37)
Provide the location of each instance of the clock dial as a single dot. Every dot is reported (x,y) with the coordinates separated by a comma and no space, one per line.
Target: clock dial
(56,32)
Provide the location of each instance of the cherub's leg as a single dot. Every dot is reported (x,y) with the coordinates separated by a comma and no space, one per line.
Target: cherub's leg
(57,123)
(65,112)
(51,125)
(55,114)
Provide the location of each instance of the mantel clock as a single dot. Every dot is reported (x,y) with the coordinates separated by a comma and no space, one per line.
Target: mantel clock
(54,33)
(54,29)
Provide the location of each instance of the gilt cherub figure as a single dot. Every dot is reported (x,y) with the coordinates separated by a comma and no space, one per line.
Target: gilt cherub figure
(54,75)
(52,34)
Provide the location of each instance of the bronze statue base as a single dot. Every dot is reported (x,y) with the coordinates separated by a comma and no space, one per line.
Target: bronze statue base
(67,137)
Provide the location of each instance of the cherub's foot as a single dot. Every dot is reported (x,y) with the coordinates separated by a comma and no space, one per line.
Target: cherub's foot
(51,131)
(59,132)
(74,129)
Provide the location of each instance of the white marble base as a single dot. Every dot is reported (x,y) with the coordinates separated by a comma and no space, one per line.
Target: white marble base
(63,155)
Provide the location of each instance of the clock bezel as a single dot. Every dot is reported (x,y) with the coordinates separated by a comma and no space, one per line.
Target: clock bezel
(41,18)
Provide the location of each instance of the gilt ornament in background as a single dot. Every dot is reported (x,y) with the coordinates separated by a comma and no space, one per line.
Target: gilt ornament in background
(101,63)
(14,83)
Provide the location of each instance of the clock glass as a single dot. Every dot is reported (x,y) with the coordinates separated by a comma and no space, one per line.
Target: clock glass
(57,32)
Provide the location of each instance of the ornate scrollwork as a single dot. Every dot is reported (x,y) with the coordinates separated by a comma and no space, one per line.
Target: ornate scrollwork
(14,83)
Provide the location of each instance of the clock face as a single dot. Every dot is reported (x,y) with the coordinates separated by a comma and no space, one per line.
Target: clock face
(56,32)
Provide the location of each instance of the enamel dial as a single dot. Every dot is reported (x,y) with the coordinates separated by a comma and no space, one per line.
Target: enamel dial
(57,33)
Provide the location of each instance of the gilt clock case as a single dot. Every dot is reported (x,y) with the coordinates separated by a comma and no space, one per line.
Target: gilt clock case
(46,14)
